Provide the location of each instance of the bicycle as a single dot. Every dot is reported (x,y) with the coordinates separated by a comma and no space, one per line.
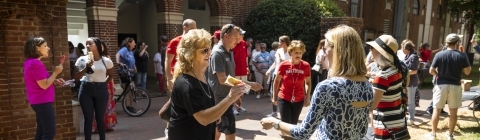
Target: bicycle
(135,101)
(474,105)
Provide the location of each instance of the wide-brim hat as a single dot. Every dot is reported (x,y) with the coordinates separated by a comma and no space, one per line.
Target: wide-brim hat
(385,45)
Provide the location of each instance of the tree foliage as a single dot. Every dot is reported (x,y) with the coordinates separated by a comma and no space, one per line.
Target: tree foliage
(471,14)
(298,19)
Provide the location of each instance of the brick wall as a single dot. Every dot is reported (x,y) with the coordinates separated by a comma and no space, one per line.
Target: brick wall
(328,23)
(241,10)
(20,20)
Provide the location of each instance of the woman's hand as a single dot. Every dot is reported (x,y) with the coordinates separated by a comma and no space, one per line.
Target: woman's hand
(267,123)
(254,86)
(59,82)
(371,118)
(306,102)
(237,90)
(274,101)
(90,64)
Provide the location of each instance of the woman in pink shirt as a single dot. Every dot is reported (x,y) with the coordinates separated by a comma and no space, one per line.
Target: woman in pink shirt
(39,86)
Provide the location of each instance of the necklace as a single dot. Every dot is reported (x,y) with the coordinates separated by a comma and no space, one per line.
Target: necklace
(296,78)
(206,93)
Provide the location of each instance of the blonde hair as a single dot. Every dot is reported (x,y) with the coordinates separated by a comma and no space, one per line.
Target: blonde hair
(192,41)
(348,52)
(296,45)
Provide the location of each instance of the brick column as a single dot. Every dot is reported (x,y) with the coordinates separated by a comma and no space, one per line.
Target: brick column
(217,22)
(169,24)
(102,23)
(20,20)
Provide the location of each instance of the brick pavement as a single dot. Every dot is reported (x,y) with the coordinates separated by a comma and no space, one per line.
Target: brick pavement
(150,126)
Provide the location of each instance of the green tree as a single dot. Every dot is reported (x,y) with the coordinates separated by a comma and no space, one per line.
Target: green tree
(298,19)
(471,15)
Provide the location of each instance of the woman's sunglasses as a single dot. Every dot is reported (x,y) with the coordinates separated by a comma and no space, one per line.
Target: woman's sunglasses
(205,51)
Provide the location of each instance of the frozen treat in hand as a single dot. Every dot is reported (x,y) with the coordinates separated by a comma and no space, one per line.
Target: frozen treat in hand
(90,55)
(234,81)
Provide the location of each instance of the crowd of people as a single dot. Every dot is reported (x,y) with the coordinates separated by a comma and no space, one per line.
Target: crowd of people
(350,87)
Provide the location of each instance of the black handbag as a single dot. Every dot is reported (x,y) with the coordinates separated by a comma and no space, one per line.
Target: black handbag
(401,134)
(167,113)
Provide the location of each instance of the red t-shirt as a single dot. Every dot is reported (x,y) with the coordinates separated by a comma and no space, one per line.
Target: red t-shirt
(172,49)
(293,82)
(425,54)
(240,57)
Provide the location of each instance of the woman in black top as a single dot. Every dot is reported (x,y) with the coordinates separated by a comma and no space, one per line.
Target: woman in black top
(141,62)
(193,109)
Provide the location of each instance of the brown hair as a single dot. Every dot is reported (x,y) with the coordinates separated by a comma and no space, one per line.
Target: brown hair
(320,46)
(126,41)
(285,39)
(30,48)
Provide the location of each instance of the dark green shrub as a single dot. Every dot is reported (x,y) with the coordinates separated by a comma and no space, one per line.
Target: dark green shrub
(298,19)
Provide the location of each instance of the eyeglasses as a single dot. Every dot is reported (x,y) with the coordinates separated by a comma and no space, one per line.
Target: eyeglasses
(205,51)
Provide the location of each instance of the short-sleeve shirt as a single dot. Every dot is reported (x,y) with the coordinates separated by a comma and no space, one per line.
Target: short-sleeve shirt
(240,56)
(220,61)
(141,61)
(263,60)
(34,70)
(425,54)
(189,96)
(126,57)
(158,59)
(449,65)
(99,69)
(172,49)
(293,80)
(254,54)
(280,56)
(412,62)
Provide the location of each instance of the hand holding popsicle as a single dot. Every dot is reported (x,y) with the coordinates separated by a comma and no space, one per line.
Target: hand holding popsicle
(59,68)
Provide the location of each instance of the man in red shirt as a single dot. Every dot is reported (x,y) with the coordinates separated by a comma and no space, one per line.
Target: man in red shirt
(240,57)
(170,60)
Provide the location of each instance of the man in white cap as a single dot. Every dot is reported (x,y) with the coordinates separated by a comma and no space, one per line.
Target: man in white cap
(447,67)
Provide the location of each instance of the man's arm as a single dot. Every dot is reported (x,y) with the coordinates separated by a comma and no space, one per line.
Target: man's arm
(467,70)
(168,61)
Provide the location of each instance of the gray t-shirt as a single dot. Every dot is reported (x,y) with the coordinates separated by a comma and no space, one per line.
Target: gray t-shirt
(449,65)
(412,62)
(220,61)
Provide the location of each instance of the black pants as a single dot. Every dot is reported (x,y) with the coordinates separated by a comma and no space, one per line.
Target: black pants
(93,97)
(45,121)
(272,79)
(289,111)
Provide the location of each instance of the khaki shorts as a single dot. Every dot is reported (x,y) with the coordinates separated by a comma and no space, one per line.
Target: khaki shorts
(243,78)
(447,94)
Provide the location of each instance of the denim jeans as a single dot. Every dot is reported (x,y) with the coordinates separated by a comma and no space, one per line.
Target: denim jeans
(411,101)
(141,79)
(93,97)
(45,121)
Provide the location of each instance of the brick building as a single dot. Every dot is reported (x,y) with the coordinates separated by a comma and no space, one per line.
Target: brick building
(422,21)
(62,20)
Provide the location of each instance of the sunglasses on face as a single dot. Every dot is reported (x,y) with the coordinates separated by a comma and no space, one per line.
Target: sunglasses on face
(205,51)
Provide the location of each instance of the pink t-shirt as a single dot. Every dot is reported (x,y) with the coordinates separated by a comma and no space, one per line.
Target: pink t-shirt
(34,70)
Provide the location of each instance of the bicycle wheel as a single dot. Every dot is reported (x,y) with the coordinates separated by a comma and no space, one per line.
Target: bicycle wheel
(136,103)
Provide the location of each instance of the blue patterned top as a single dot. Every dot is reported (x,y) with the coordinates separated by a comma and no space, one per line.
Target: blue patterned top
(331,111)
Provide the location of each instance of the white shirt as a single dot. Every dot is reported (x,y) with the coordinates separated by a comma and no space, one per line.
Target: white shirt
(254,54)
(99,70)
(401,55)
(157,60)
(280,56)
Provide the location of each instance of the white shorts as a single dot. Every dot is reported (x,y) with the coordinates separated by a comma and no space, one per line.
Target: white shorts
(447,94)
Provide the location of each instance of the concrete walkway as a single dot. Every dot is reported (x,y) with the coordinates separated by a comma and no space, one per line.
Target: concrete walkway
(151,127)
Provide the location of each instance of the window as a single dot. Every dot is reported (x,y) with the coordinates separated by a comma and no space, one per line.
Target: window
(416,4)
(439,12)
(386,26)
(455,16)
(196,4)
(354,8)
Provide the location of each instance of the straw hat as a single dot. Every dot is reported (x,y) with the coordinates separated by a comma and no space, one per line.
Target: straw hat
(386,45)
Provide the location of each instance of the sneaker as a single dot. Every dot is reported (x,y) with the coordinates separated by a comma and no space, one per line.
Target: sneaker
(431,136)
(443,112)
(449,136)
(241,109)
(131,109)
(235,112)
(429,112)
(166,133)
(410,123)
(258,96)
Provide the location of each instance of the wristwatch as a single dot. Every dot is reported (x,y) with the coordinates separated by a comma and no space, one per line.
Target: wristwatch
(276,124)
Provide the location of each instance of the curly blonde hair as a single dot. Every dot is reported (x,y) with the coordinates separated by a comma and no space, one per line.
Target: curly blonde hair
(296,45)
(348,52)
(192,41)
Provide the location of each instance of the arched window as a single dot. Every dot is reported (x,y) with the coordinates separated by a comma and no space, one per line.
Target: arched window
(416,4)
(439,12)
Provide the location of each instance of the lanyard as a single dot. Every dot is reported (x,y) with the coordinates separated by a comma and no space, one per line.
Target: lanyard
(294,81)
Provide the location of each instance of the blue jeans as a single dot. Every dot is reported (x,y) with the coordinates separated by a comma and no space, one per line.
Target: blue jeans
(411,101)
(45,121)
(93,97)
(141,79)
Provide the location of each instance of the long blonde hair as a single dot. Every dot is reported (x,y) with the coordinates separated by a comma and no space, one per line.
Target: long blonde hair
(193,40)
(348,52)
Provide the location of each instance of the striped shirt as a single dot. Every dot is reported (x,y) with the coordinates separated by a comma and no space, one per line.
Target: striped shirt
(389,111)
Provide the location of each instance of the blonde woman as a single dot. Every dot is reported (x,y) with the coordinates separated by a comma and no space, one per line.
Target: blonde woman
(192,99)
(339,104)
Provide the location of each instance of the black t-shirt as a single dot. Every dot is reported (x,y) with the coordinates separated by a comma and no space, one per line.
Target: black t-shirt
(450,64)
(141,61)
(188,97)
